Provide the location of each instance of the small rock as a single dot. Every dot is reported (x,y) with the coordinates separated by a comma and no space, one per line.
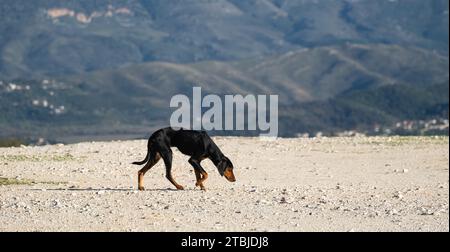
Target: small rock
(22,204)
(398,195)
(424,211)
(323,200)
(56,203)
(283,200)
(392,212)
(262,201)
(101,192)
(405,170)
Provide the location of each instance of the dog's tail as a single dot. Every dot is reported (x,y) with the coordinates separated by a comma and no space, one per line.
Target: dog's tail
(145,159)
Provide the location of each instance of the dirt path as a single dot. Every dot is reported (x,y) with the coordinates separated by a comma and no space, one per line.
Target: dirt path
(320,184)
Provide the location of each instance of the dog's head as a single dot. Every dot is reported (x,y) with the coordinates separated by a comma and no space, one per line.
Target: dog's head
(226,169)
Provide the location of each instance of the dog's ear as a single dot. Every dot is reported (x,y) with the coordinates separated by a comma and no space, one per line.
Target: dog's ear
(222,166)
(225,163)
(228,163)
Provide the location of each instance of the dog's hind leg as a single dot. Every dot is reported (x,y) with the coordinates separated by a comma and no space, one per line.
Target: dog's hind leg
(154,158)
(167,157)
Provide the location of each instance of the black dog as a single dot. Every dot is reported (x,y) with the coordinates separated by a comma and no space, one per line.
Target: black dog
(196,144)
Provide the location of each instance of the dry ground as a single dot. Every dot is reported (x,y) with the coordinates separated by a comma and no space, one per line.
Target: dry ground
(318,184)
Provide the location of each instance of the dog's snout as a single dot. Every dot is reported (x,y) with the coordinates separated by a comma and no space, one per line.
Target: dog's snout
(229,175)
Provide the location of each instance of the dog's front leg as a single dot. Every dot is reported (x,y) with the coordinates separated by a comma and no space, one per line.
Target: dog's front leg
(198,177)
(200,173)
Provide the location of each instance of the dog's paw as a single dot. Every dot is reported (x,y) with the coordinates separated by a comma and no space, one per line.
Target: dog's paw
(180,187)
(201,186)
(141,188)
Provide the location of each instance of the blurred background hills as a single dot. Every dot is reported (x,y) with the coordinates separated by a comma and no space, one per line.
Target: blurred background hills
(90,69)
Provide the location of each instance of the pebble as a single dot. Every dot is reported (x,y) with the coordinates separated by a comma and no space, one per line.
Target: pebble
(56,203)
(424,211)
(283,200)
(392,212)
(262,201)
(398,195)
(22,204)
(323,199)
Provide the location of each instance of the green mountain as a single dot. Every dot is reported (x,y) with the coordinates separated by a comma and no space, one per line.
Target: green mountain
(321,89)
(52,37)
(85,68)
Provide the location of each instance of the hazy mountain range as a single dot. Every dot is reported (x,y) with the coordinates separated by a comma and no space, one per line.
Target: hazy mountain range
(110,67)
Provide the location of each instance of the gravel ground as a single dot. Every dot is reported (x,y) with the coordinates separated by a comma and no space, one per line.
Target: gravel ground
(298,184)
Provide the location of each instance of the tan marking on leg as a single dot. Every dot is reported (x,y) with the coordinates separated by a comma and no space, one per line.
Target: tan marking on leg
(142,171)
(198,174)
(197,177)
(203,178)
